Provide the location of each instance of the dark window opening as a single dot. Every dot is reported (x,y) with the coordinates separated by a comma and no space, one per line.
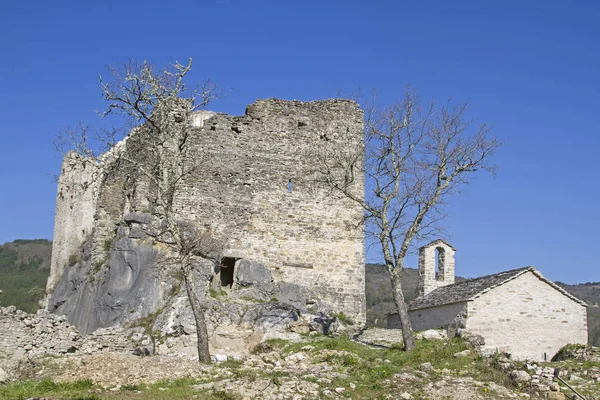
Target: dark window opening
(439,263)
(227,267)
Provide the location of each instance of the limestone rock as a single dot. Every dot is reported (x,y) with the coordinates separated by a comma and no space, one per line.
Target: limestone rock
(3,376)
(137,217)
(473,339)
(463,353)
(432,334)
(252,273)
(127,285)
(296,357)
(519,376)
(293,294)
(425,367)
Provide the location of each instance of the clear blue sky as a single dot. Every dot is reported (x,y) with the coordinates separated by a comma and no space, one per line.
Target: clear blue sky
(530,68)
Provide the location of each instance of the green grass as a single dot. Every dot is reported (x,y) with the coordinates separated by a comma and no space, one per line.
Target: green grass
(252,300)
(79,390)
(179,389)
(372,370)
(146,322)
(344,318)
(370,367)
(216,294)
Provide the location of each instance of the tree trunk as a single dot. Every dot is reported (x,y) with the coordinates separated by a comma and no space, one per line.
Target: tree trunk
(407,332)
(201,329)
(216,279)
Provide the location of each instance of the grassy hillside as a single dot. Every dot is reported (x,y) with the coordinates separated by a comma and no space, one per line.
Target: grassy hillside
(380,302)
(24,269)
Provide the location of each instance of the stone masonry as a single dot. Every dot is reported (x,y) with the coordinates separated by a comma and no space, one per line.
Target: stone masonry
(528,318)
(253,180)
(430,278)
(75,208)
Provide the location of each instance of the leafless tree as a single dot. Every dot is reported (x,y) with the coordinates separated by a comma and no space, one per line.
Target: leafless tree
(159,103)
(414,158)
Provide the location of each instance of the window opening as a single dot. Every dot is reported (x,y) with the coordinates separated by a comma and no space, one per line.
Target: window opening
(290,185)
(440,256)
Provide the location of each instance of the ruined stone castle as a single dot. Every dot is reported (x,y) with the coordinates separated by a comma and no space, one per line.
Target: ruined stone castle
(255,183)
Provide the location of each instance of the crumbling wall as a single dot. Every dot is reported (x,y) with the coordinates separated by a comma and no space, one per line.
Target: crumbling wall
(35,334)
(78,186)
(240,186)
(239,171)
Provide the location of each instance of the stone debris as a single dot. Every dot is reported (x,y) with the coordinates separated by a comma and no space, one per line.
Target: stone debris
(519,376)
(433,334)
(308,373)
(35,334)
(463,353)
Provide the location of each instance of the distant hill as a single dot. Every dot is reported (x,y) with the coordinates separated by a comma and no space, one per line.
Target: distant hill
(380,303)
(24,269)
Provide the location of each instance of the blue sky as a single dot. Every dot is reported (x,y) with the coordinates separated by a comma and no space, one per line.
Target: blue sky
(529,68)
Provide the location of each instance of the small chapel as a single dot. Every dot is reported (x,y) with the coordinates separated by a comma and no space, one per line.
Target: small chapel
(517,311)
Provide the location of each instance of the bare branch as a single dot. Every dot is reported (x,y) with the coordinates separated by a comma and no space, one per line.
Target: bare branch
(161,104)
(415,158)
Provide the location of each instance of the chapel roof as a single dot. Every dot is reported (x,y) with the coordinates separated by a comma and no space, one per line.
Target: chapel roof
(472,288)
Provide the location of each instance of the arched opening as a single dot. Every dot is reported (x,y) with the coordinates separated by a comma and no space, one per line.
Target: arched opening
(440,257)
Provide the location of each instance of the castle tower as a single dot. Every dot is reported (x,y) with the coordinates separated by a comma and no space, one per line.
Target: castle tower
(436,266)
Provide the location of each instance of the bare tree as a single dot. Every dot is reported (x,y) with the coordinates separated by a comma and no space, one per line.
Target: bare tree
(160,103)
(194,244)
(414,158)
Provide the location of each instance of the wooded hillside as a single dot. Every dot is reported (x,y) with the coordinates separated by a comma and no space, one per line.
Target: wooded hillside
(24,269)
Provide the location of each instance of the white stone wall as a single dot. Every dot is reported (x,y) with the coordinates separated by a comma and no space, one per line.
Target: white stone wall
(436,317)
(527,318)
(75,207)
(428,280)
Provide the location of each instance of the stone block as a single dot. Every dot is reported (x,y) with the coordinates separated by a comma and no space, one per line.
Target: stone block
(249,273)
(137,217)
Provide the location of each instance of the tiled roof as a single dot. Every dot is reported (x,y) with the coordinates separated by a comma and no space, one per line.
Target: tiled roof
(469,289)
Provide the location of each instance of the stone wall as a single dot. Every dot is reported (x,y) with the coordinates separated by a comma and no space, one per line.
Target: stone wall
(240,168)
(75,207)
(304,235)
(449,315)
(44,333)
(34,334)
(527,318)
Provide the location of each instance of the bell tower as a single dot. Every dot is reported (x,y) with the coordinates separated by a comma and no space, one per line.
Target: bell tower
(436,266)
